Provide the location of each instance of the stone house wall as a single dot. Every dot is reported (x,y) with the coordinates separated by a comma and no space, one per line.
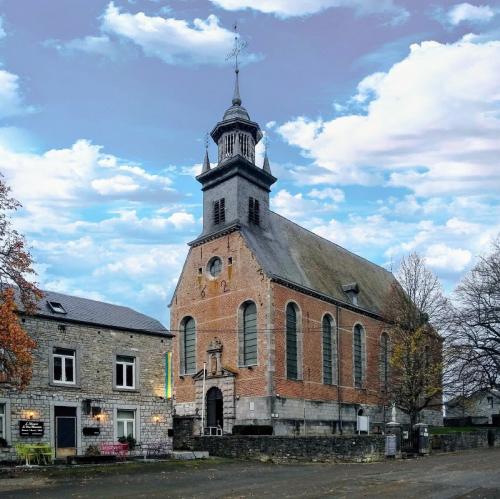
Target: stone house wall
(96,349)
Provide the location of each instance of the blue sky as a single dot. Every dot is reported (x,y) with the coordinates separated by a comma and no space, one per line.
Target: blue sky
(382,117)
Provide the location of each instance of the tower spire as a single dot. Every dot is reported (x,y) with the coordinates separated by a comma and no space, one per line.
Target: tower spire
(239,45)
(266,166)
(206,161)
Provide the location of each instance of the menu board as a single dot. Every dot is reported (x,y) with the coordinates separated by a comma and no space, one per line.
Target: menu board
(30,428)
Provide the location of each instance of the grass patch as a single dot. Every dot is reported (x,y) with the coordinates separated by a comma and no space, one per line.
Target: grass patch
(446,430)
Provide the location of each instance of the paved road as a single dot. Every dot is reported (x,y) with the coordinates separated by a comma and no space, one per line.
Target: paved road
(471,474)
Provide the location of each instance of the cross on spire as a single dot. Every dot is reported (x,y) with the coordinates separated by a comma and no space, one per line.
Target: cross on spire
(239,46)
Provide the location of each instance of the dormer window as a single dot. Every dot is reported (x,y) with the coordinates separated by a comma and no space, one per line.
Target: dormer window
(56,307)
(253,211)
(352,291)
(220,211)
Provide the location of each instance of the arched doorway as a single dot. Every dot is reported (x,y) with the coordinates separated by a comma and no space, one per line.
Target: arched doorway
(215,408)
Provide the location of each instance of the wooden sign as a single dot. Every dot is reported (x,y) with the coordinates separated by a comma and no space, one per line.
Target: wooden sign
(30,428)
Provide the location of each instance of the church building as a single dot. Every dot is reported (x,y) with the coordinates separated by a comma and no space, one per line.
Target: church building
(275,325)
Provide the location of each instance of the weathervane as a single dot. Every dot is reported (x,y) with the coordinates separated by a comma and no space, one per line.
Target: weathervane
(239,46)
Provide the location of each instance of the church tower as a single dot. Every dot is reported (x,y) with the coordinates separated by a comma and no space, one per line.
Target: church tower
(235,190)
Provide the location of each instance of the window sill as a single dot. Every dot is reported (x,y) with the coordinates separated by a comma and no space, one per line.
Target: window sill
(55,384)
(248,366)
(127,390)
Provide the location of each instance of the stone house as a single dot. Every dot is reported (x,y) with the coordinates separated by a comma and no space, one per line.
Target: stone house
(482,407)
(276,325)
(98,375)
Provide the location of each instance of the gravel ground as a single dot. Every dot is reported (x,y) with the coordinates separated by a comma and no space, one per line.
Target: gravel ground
(470,474)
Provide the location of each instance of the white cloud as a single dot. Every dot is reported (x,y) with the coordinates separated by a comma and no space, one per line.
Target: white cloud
(174,41)
(292,8)
(336,195)
(466,12)
(440,256)
(114,185)
(101,45)
(10,96)
(181,219)
(432,124)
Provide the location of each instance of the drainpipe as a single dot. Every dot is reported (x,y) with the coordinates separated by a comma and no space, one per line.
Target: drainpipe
(339,392)
(203,400)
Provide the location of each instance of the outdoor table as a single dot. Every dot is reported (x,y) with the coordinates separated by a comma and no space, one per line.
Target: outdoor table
(39,453)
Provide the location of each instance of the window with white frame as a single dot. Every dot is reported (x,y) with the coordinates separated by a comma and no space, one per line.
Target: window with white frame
(125,423)
(64,365)
(2,421)
(125,371)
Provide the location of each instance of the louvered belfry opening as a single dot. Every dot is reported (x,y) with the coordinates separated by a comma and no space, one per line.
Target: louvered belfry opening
(291,342)
(253,211)
(327,351)
(250,334)
(220,211)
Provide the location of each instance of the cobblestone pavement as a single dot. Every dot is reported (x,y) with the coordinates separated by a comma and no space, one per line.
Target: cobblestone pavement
(470,474)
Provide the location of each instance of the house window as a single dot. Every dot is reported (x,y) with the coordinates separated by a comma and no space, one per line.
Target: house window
(384,360)
(358,356)
(3,428)
(327,350)
(125,423)
(189,347)
(490,402)
(125,371)
(220,211)
(250,334)
(253,211)
(291,342)
(63,366)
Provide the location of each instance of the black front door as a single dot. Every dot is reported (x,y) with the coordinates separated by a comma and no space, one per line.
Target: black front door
(65,431)
(215,408)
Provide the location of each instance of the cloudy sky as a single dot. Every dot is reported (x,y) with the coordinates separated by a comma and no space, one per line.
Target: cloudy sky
(382,116)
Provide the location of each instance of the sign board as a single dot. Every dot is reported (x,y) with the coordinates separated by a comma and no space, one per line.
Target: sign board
(363,423)
(91,431)
(30,428)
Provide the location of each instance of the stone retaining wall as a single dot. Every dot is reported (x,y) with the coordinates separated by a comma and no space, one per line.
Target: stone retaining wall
(451,442)
(355,448)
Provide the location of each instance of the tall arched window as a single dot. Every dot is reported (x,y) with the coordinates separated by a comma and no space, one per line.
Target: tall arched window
(249,334)
(188,359)
(358,354)
(384,360)
(328,343)
(292,371)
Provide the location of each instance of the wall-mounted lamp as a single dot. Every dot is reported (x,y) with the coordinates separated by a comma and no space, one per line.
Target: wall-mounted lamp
(277,395)
(31,414)
(156,419)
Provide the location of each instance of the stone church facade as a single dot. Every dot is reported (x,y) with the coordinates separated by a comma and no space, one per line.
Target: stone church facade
(274,325)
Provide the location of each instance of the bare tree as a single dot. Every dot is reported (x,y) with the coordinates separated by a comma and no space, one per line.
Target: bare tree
(415,310)
(475,339)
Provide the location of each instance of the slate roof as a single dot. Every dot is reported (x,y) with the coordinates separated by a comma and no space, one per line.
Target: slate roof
(291,253)
(97,313)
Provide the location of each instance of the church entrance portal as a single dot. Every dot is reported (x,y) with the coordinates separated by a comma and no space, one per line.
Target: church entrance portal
(215,408)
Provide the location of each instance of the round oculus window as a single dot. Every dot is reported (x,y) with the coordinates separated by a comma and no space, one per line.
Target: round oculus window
(215,266)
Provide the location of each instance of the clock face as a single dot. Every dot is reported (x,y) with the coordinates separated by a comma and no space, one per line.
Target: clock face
(215,266)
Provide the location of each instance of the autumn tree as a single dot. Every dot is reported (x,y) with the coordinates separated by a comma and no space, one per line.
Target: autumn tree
(16,289)
(415,310)
(475,338)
